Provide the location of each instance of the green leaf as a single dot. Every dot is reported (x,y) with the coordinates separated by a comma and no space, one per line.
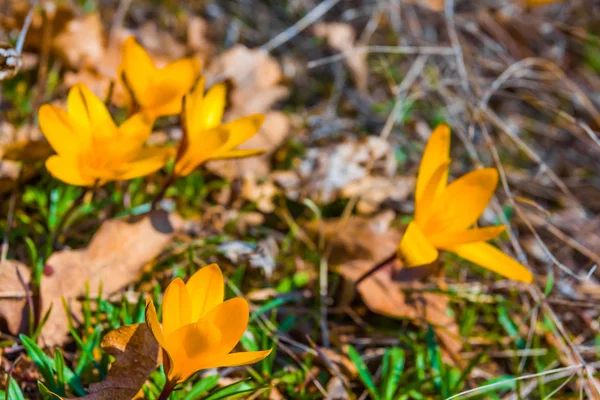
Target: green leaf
(14,391)
(59,363)
(202,387)
(363,372)
(396,360)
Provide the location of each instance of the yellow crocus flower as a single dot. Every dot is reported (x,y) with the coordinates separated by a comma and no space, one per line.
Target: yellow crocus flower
(157,92)
(445,214)
(205,137)
(91,149)
(199,330)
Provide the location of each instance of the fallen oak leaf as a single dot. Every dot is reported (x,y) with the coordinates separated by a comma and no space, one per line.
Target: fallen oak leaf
(115,258)
(136,354)
(13,296)
(357,246)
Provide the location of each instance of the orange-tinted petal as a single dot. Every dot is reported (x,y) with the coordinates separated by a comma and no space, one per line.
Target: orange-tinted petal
(68,171)
(207,290)
(436,153)
(177,307)
(200,150)
(243,153)
(60,131)
(448,240)
(231,317)
(414,249)
(242,129)
(462,202)
(237,359)
(138,126)
(189,348)
(154,325)
(488,256)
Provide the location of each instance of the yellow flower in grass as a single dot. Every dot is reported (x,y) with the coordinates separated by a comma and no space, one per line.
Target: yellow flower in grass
(157,92)
(199,330)
(445,215)
(91,149)
(205,137)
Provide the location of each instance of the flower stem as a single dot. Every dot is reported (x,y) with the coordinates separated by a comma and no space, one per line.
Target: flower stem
(376,268)
(61,224)
(162,192)
(167,390)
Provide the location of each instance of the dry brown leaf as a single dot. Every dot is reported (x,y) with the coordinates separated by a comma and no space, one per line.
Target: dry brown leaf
(13,296)
(80,42)
(341,37)
(136,354)
(359,244)
(114,259)
(255,77)
(362,168)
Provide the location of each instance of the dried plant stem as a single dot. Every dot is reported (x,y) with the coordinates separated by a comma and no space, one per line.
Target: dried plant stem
(376,268)
(167,390)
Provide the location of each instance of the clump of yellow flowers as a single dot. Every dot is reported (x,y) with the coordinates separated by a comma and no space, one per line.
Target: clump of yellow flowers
(445,215)
(92,150)
(199,330)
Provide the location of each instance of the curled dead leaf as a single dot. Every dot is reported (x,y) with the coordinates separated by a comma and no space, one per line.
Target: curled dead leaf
(115,258)
(136,354)
(13,296)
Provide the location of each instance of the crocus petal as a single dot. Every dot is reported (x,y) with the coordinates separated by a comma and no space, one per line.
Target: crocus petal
(242,129)
(59,130)
(238,154)
(414,249)
(213,106)
(452,239)
(89,112)
(177,307)
(193,107)
(189,347)
(169,85)
(137,67)
(154,325)
(198,151)
(490,257)
(138,126)
(207,290)
(68,171)
(231,317)
(237,359)
(462,202)
(426,201)
(149,160)
(436,153)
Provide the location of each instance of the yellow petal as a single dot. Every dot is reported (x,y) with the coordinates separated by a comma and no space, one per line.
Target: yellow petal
(59,130)
(436,153)
(154,325)
(149,160)
(452,239)
(137,68)
(169,85)
(177,307)
(231,317)
(68,171)
(238,154)
(138,126)
(207,290)
(89,112)
(462,202)
(488,256)
(190,347)
(414,249)
(242,129)
(213,106)
(193,106)
(197,151)
(237,359)
(424,204)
